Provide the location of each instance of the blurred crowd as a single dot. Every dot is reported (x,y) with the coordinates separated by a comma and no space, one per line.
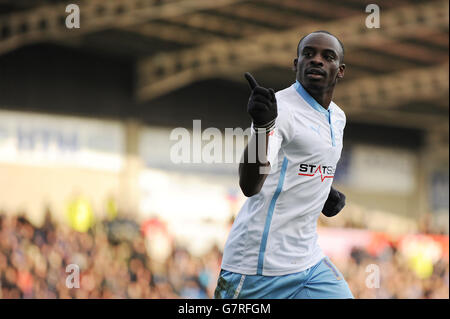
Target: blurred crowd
(33,263)
(397,280)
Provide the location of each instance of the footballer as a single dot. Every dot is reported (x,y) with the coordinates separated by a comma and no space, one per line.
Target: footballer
(272,250)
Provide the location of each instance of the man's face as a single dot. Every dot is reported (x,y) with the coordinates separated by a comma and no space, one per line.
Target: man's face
(318,65)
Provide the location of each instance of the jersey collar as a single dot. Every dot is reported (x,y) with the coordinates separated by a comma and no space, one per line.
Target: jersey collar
(309,99)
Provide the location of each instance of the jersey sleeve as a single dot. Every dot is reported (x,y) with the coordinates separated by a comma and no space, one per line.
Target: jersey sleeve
(282,134)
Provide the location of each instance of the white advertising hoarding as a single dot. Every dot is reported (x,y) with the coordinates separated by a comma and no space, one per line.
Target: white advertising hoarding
(382,169)
(195,149)
(53,140)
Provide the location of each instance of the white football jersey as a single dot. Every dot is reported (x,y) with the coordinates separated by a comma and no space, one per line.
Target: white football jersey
(275,233)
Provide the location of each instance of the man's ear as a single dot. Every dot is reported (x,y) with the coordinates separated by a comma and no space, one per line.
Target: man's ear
(341,71)
(294,67)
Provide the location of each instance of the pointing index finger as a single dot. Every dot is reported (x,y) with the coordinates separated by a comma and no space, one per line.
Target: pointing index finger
(251,80)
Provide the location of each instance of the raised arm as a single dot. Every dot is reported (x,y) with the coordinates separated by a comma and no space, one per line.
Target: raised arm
(262,108)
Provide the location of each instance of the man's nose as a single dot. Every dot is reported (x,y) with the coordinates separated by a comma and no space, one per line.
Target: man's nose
(316,60)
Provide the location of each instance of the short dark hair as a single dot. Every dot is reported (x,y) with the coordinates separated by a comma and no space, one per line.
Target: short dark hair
(326,32)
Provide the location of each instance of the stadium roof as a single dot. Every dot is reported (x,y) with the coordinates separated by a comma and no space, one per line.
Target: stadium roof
(396,74)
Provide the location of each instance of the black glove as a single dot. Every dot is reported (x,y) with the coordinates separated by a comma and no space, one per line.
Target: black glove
(262,106)
(334,204)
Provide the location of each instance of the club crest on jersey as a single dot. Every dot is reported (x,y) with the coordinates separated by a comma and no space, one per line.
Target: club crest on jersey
(311,170)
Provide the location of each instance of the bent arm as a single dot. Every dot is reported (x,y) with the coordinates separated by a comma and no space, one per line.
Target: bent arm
(251,174)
